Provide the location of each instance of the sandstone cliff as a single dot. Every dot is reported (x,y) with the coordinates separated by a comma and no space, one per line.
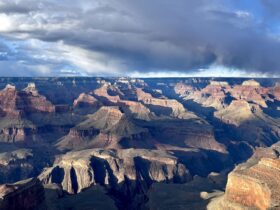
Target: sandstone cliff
(254,184)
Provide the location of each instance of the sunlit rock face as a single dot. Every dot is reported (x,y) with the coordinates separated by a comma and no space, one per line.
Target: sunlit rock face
(84,101)
(254,184)
(78,170)
(103,129)
(163,106)
(124,138)
(15,108)
(215,95)
(236,113)
(31,101)
(8,101)
(251,91)
(276,91)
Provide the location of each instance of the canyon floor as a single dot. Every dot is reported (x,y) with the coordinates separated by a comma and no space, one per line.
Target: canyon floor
(125,143)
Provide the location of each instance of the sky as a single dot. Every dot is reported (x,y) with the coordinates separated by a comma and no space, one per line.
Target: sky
(140,38)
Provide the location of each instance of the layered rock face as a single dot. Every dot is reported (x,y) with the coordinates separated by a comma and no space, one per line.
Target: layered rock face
(251,91)
(85,100)
(103,129)
(251,123)
(24,195)
(31,101)
(122,138)
(8,101)
(213,95)
(241,109)
(16,106)
(236,113)
(183,89)
(28,100)
(276,92)
(253,185)
(108,94)
(163,106)
(76,171)
(16,165)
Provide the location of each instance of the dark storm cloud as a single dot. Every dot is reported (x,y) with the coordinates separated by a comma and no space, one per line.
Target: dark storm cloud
(158,35)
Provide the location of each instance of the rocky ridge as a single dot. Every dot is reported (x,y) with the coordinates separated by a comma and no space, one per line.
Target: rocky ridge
(254,184)
(24,195)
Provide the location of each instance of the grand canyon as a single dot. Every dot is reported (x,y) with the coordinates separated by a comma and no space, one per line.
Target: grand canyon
(129,143)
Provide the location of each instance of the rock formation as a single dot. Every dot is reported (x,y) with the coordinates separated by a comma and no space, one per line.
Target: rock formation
(251,82)
(8,101)
(251,124)
(76,171)
(215,95)
(183,89)
(16,165)
(237,112)
(169,107)
(108,94)
(23,195)
(103,129)
(253,185)
(31,101)
(118,138)
(85,100)
(251,91)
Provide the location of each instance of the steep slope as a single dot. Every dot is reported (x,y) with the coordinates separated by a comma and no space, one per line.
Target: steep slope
(250,123)
(238,112)
(215,95)
(254,184)
(30,101)
(8,98)
(16,107)
(251,91)
(165,107)
(86,104)
(103,129)
(24,195)
(126,174)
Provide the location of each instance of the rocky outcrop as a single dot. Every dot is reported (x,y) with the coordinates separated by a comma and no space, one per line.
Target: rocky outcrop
(24,195)
(16,165)
(168,107)
(183,89)
(252,83)
(251,124)
(215,95)
(76,171)
(14,102)
(16,108)
(237,112)
(253,185)
(8,101)
(136,109)
(275,91)
(251,91)
(31,101)
(185,134)
(14,130)
(108,94)
(103,129)
(85,100)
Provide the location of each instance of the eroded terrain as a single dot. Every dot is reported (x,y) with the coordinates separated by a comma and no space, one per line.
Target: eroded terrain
(139,143)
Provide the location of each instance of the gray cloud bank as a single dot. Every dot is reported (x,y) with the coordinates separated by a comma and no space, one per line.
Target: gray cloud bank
(124,36)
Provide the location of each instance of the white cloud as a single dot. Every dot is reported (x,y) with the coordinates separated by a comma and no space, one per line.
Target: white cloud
(114,37)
